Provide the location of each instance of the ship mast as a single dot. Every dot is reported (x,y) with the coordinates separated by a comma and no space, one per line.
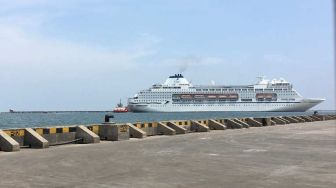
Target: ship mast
(120,104)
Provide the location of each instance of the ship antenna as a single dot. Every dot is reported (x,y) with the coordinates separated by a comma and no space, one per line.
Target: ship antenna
(261,78)
(120,104)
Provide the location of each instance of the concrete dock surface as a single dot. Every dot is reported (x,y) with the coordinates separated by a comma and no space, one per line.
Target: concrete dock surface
(293,155)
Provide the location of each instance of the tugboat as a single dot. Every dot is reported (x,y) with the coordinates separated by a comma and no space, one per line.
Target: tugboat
(120,108)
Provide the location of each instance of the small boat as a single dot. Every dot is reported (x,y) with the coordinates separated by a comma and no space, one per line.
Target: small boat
(120,108)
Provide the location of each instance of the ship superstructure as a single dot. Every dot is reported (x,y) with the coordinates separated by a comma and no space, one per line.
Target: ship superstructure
(177,94)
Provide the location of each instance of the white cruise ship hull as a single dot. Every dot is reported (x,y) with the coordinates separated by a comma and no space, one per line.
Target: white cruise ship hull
(300,106)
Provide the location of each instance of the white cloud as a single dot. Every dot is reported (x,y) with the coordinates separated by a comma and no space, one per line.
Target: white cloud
(187,62)
(275,58)
(24,49)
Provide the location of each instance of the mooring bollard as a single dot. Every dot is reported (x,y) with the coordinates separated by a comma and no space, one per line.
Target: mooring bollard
(107,118)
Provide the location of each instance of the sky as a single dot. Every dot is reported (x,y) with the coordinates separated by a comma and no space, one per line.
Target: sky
(89,54)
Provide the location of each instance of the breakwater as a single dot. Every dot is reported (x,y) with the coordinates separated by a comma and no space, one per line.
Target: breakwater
(43,137)
(30,120)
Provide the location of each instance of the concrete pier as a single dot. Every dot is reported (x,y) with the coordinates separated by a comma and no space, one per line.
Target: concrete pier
(231,124)
(297,118)
(7,143)
(114,132)
(306,118)
(278,121)
(87,136)
(34,140)
(273,122)
(301,155)
(164,129)
(264,121)
(215,125)
(178,129)
(136,132)
(198,127)
(42,137)
(242,123)
(315,118)
(290,119)
(253,123)
(283,119)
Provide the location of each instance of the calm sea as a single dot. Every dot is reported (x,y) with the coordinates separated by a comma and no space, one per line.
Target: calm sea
(19,120)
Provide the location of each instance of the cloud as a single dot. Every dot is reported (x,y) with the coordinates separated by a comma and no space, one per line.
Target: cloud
(25,51)
(277,59)
(187,62)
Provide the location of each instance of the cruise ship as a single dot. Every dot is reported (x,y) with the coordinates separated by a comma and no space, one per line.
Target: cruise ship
(177,94)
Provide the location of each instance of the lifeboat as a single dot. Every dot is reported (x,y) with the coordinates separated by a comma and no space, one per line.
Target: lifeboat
(233,96)
(199,96)
(265,95)
(186,96)
(222,96)
(212,96)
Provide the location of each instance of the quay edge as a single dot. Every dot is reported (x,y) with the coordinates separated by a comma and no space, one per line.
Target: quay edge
(14,139)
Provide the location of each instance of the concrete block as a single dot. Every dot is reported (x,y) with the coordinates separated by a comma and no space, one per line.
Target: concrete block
(198,127)
(59,138)
(326,117)
(34,140)
(283,119)
(135,132)
(290,119)
(231,124)
(315,118)
(273,122)
(7,143)
(278,120)
(114,132)
(242,123)
(264,121)
(321,117)
(87,136)
(307,118)
(253,123)
(298,119)
(178,129)
(150,131)
(215,125)
(329,117)
(164,129)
